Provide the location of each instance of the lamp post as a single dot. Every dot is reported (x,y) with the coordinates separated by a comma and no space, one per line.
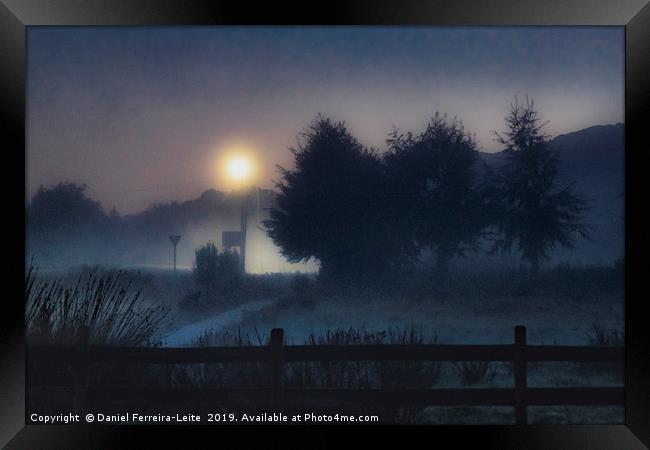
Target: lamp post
(239,168)
(243,225)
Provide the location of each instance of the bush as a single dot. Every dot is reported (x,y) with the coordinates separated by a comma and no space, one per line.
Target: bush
(217,272)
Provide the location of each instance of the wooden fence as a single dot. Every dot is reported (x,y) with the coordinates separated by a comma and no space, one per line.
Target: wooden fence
(277,354)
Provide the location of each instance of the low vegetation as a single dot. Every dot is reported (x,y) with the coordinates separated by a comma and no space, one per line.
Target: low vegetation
(98,309)
(110,305)
(474,372)
(601,336)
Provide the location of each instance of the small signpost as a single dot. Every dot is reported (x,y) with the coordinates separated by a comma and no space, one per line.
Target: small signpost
(174,240)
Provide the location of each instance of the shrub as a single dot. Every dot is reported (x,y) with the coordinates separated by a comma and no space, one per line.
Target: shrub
(217,272)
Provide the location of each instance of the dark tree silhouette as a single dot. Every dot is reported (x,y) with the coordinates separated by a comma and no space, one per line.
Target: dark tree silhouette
(330,206)
(64,208)
(435,195)
(534,212)
(64,225)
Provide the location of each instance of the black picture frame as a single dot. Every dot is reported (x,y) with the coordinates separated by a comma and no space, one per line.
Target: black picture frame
(16,15)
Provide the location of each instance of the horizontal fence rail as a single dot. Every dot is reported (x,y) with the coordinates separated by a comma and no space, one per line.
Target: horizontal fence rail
(297,353)
(277,355)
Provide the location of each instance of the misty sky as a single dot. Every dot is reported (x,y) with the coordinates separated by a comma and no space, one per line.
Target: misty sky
(142,114)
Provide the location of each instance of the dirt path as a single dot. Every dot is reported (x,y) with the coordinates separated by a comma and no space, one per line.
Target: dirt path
(184,335)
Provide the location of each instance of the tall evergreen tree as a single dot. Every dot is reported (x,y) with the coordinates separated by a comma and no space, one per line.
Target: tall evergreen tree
(535,213)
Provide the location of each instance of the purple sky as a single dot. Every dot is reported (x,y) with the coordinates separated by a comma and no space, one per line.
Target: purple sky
(143,114)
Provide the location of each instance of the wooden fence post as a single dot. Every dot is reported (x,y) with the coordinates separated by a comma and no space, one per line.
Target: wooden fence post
(80,370)
(520,366)
(277,341)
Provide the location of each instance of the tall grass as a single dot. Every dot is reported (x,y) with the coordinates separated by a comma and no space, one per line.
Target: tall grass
(474,372)
(324,374)
(242,374)
(600,336)
(367,374)
(103,304)
(340,374)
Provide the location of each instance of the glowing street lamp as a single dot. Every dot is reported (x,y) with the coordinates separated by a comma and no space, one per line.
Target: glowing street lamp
(239,168)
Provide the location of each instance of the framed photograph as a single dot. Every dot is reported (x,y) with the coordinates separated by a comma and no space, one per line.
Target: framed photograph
(415,215)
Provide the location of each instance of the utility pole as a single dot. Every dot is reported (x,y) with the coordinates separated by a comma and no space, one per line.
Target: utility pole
(174,240)
(243,224)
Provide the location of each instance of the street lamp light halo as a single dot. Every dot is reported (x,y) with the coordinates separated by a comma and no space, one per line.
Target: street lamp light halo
(239,167)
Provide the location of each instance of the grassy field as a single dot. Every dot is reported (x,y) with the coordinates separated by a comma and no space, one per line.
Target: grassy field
(562,306)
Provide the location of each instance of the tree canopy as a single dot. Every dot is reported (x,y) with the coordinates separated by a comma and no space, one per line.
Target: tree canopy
(64,207)
(330,206)
(435,192)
